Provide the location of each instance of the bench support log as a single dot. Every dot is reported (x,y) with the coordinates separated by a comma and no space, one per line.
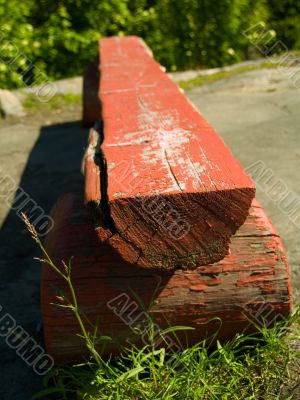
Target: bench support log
(251,281)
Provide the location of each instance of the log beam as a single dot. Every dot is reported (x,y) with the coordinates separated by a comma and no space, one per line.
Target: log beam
(171,193)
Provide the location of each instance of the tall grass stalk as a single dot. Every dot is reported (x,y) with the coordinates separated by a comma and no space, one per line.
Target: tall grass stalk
(65,273)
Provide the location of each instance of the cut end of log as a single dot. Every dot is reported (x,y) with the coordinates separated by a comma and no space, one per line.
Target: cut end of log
(175,231)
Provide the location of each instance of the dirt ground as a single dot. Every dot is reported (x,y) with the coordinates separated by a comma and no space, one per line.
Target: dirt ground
(256,113)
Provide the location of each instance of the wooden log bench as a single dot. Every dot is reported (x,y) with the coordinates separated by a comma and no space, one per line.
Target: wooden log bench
(168,217)
(165,190)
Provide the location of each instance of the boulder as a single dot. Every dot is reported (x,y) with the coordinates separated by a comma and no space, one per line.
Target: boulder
(10,105)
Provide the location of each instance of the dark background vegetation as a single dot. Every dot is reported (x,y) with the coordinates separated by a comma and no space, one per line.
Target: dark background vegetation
(60,37)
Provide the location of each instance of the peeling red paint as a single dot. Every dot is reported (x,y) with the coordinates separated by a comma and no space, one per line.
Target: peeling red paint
(198,288)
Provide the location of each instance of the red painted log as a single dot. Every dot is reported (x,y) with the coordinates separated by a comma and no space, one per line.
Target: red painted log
(171,193)
(251,281)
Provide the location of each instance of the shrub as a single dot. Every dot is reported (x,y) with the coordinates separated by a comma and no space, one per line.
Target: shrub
(60,38)
(285,20)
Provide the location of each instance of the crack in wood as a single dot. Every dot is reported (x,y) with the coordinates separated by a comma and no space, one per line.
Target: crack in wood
(171,170)
(100,160)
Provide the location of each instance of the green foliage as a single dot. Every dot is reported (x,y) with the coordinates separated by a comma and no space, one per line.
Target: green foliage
(286,21)
(16,33)
(190,33)
(59,38)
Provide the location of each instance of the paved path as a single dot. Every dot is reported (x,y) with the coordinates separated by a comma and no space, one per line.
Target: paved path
(258,116)
(256,113)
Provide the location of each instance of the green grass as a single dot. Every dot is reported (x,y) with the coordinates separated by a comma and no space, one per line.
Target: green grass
(203,79)
(57,102)
(247,368)
(260,366)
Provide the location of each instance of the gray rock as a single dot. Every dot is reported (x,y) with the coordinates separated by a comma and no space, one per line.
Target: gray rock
(10,105)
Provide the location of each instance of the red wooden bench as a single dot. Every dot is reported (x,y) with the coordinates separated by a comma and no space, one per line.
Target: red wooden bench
(163,198)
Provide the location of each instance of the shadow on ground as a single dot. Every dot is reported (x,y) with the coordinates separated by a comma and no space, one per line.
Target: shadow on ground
(53,168)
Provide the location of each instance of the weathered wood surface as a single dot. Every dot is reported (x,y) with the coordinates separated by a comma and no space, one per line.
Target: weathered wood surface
(251,281)
(91,169)
(171,192)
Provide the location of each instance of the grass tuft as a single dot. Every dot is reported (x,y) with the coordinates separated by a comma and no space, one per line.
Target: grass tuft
(57,102)
(248,368)
(203,79)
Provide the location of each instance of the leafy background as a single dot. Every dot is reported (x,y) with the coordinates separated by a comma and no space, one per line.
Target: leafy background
(60,37)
